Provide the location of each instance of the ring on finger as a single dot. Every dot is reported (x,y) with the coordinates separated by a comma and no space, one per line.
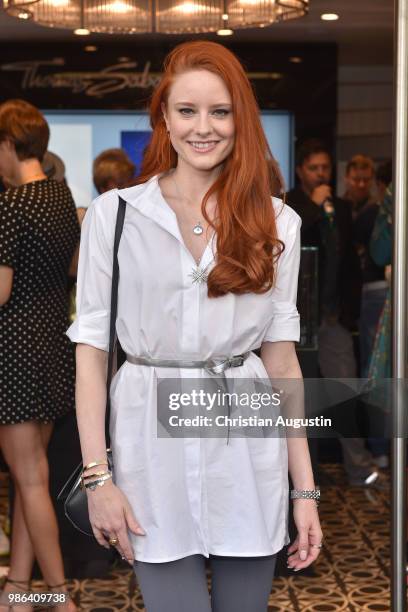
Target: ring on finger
(113,541)
(317,545)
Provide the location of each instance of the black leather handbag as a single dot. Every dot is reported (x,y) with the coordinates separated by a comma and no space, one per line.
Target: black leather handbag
(72,494)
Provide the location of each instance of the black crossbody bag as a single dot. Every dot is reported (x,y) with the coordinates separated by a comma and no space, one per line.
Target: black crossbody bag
(72,494)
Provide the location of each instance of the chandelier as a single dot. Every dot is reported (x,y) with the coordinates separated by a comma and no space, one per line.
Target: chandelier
(250,13)
(110,16)
(165,16)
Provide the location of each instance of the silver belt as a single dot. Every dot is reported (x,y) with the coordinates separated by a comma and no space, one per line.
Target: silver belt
(212,366)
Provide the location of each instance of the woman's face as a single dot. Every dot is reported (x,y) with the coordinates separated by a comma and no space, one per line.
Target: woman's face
(8,162)
(200,120)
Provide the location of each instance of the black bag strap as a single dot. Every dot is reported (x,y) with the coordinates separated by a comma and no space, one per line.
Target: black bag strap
(120,218)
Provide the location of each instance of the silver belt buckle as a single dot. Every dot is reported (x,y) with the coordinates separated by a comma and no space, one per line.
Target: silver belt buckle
(237,361)
(219,368)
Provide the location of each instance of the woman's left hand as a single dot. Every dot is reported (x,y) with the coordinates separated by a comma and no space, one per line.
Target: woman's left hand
(307,545)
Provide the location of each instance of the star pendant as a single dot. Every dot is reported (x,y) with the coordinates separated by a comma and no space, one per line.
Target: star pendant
(198,275)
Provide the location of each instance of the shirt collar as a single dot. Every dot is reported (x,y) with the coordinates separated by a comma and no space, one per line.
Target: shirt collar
(148,199)
(139,196)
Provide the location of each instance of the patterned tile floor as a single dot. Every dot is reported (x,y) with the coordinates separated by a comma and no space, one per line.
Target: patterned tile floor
(352,573)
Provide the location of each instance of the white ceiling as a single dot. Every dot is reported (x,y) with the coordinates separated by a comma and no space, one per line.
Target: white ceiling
(364,31)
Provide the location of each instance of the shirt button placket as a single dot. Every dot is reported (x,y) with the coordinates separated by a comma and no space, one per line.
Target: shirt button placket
(190,345)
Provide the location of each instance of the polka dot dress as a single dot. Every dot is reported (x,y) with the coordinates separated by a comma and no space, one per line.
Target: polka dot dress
(39,232)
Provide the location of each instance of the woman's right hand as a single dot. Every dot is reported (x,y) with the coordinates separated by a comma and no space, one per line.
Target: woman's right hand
(111,516)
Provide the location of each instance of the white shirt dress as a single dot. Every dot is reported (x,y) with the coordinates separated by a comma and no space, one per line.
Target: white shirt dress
(191,495)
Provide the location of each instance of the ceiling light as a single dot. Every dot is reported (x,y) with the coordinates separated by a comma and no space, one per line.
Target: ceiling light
(116,7)
(329,17)
(91,48)
(85,16)
(164,16)
(253,13)
(175,16)
(59,3)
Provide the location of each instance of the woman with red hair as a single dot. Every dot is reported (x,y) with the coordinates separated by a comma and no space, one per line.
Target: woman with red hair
(208,273)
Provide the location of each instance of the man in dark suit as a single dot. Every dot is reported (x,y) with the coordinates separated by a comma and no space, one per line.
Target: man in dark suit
(327,225)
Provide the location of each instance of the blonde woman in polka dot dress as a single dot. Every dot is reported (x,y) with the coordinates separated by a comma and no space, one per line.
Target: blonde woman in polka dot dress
(39,233)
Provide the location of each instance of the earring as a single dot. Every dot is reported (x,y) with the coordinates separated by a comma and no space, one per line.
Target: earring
(168,149)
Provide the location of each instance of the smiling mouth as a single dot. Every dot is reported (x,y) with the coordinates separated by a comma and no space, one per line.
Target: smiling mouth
(203,146)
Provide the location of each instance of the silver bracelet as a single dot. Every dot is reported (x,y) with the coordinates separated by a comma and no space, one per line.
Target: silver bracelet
(306,494)
(99,482)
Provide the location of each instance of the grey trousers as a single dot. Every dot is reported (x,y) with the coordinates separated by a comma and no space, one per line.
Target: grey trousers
(337,360)
(238,584)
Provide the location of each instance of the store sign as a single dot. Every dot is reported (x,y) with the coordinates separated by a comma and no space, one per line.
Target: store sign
(48,74)
(53,74)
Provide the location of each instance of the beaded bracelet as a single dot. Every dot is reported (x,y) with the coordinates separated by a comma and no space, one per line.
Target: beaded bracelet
(306,494)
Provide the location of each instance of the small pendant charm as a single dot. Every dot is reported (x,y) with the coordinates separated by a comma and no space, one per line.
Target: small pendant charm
(198,229)
(198,275)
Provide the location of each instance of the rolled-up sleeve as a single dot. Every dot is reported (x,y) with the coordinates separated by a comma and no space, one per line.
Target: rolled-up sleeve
(94,280)
(285,324)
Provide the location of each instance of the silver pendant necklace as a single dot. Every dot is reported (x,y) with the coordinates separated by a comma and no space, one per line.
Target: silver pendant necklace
(198,228)
(198,274)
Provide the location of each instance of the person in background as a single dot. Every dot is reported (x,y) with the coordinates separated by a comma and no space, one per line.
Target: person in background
(53,167)
(39,231)
(374,285)
(112,168)
(379,366)
(383,178)
(381,251)
(4,541)
(327,225)
(359,180)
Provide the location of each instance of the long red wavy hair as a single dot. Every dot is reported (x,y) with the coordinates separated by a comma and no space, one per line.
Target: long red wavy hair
(247,242)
